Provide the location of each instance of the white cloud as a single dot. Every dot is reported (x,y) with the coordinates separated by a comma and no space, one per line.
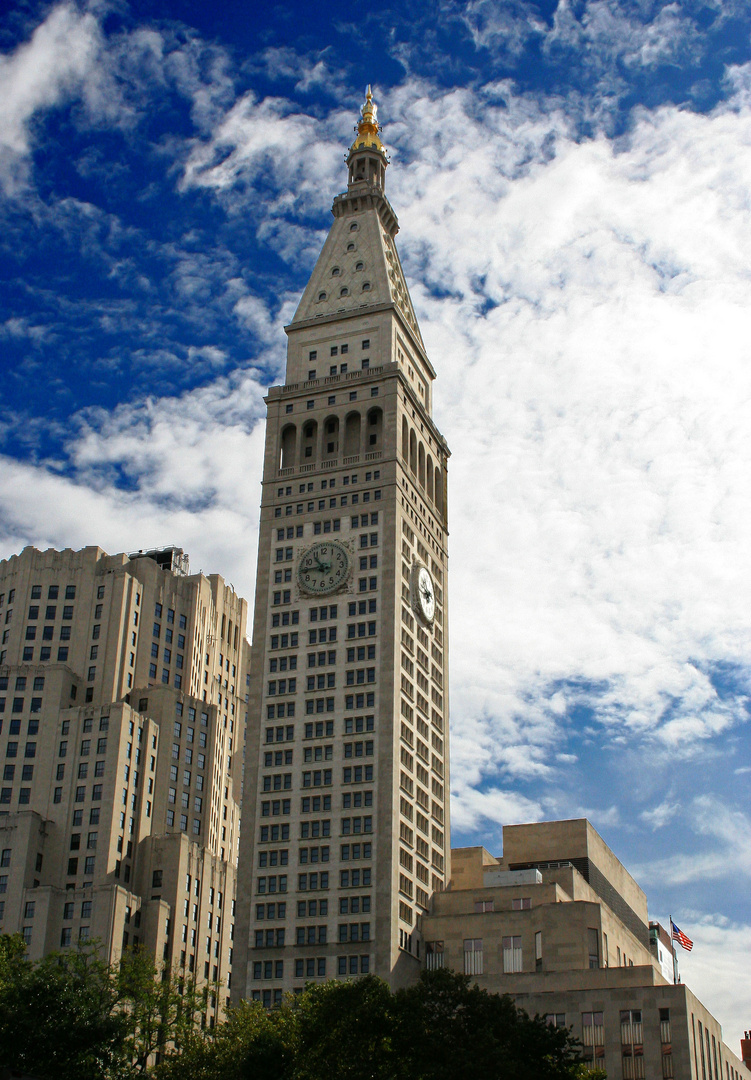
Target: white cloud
(585,304)
(594,382)
(609,30)
(490,809)
(256,138)
(307,73)
(58,60)
(191,467)
(660,815)
(505,27)
(719,849)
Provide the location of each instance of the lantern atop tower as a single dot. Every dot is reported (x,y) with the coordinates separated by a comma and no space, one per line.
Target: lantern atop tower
(367,159)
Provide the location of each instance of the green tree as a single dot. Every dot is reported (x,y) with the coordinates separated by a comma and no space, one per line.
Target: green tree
(449,1030)
(162,1009)
(345,1031)
(59,1017)
(252,1044)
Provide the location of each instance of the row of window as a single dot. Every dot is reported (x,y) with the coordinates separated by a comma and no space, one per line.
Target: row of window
(22,683)
(182,619)
(50,613)
(329,484)
(321,635)
(53,593)
(344,500)
(312,882)
(343,349)
(184,822)
(291,532)
(320,854)
(473,954)
(316,778)
(45,653)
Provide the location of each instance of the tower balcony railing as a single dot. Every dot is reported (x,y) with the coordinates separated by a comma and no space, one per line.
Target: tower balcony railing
(332,463)
(327,380)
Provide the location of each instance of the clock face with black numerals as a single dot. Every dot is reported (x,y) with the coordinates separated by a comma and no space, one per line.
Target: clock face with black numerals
(423,592)
(323,568)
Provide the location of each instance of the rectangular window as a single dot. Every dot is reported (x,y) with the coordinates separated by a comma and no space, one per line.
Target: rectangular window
(593,1038)
(473,956)
(632,1046)
(434,955)
(512,954)
(593,944)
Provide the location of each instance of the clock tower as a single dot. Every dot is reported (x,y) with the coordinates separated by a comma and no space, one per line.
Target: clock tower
(345,813)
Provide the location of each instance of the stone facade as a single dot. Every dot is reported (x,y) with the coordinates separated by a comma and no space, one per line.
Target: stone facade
(345,811)
(122,712)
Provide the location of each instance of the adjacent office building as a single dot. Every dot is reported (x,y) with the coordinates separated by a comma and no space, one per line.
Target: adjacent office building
(345,811)
(122,710)
(561,925)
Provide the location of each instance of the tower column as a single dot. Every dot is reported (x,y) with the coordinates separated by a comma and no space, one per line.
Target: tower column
(345,814)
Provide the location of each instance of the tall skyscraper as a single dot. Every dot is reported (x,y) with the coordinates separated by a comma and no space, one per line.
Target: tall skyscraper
(122,685)
(345,831)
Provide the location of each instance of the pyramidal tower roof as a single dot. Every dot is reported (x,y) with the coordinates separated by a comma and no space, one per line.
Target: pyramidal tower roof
(359,266)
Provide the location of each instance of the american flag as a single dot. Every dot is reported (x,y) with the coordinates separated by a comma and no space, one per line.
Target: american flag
(680,937)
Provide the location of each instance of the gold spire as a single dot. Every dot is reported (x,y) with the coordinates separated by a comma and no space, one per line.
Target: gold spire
(368,127)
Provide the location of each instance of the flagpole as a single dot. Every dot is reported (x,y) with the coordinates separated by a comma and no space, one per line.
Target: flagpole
(672,949)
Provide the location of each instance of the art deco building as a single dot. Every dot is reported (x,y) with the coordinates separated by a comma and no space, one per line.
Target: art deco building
(345,810)
(560,925)
(122,686)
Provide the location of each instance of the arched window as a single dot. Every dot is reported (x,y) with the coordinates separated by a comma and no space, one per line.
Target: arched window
(429,475)
(352,434)
(322,296)
(309,441)
(344,291)
(335,271)
(359,266)
(374,429)
(366,286)
(413,452)
(405,439)
(331,437)
(350,247)
(354,227)
(421,465)
(439,488)
(288,447)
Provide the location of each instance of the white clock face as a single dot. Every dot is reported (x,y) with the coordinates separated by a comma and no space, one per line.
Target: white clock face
(323,568)
(425,594)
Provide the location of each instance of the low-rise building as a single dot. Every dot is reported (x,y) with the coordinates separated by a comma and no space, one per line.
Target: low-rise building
(560,924)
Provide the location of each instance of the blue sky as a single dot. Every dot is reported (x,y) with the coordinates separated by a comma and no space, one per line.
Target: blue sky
(572,183)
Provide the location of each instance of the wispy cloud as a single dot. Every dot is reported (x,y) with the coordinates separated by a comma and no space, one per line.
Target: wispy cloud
(58,61)
(584,297)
